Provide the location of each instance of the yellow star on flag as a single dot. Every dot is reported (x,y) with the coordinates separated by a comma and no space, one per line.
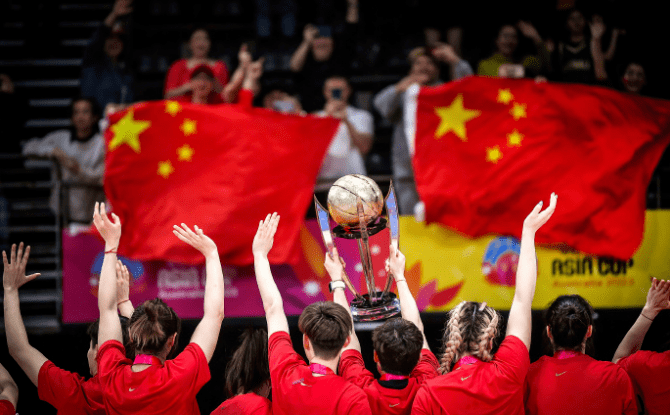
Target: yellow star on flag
(518,111)
(514,139)
(127,131)
(188,127)
(493,154)
(454,117)
(185,153)
(172,107)
(505,96)
(165,169)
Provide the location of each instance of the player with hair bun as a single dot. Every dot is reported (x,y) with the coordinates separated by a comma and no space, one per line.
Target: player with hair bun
(594,387)
(475,381)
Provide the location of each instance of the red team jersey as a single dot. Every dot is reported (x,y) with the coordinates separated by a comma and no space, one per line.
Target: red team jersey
(68,392)
(6,408)
(649,373)
(481,388)
(246,404)
(159,389)
(578,385)
(392,397)
(296,391)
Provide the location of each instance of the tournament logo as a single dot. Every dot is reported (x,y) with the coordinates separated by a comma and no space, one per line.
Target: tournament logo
(500,261)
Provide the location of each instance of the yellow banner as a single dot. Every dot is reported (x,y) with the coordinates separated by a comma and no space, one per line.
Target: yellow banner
(446,268)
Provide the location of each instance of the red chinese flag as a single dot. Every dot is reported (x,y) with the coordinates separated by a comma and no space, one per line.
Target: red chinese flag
(221,167)
(489,149)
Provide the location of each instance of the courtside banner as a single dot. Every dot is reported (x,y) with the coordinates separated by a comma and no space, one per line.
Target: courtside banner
(443,268)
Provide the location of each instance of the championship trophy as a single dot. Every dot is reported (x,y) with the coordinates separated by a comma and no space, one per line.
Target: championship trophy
(355,203)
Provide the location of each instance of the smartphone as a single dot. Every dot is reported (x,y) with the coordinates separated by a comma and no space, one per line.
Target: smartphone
(337,93)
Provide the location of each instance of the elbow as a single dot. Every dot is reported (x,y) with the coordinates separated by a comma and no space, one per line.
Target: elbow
(274,307)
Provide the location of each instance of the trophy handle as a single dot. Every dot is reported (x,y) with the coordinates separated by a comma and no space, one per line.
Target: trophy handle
(394,229)
(364,249)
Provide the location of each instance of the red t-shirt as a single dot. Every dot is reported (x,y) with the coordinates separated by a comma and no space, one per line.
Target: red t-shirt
(6,408)
(387,400)
(578,385)
(296,391)
(179,74)
(246,404)
(649,373)
(481,388)
(163,389)
(68,392)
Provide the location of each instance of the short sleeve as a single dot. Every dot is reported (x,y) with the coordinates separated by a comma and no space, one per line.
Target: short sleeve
(363,122)
(352,368)
(191,367)
(57,386)
(630,363)
(6,408)
(282,356)
(426,368)
(513,359)
(627,392)
(111,356)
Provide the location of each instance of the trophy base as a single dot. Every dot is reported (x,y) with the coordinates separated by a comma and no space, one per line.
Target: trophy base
(363,311)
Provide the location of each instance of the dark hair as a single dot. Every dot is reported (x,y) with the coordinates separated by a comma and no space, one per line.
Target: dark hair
(469,330)
(569,318)
(94,327)
(151,325)
(327,325)
(398,344)
(95,108)
(248,369)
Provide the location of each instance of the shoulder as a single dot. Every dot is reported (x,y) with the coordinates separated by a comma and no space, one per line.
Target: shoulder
(278,339)
(50,373)
(179,64)
(642,358)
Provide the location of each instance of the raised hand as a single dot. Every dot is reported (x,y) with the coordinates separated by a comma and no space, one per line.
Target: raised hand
(255,69)
(310,33)
(110,231)
(15,270)
(445,53)
(122,7)
(395,264)
(243,56)
(658,297)
(197,239)
(122,282)
(536,219)
(265,235)
(528,30)
(597,27)
(335,266)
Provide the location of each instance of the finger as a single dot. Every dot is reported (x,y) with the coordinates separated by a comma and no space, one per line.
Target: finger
(24,259)
(13,255)
(32,276)
(181,232)
(197,230)
(181,237)
(187,229)
(4,258)
(116,219)
(19,254)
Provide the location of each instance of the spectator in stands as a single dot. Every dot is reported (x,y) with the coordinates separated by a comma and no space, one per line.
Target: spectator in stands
(505,61)
(634,78)
(648,370)
(105,75)
(595,387)
(178,82)
(280,100)
(68,392)
(320,56)
(248,377)
(13,115)
(401,351)
(355,135)
(474,380)
(9,393)
(579,58)
(296,387)
(80,152)
(424,71)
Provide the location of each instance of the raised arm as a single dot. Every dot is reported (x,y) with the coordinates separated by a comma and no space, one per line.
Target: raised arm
(110,326)
(29,358)
(410,312)
(123,290)
(272,301)
(231,89)
(8,389)
(206,334)
(519,323)
(253,76)
(657,300)
(335,267)
(597,31)
(300,55)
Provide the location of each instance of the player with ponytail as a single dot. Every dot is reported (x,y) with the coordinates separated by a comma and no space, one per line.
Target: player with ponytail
(473,380)
(570,382)
(153,384)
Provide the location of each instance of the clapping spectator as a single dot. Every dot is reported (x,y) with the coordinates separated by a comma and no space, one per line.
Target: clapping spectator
(320,55)
(353,139)
(178,83)
(80,152)
(505,61)
(105,75)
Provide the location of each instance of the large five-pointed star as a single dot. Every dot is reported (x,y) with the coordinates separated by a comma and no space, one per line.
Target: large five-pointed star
(127,131)
(453,118)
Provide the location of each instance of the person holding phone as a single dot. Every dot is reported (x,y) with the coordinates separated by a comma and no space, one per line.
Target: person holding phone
(355,135)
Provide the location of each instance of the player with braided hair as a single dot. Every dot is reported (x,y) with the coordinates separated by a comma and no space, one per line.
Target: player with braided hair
(474,381)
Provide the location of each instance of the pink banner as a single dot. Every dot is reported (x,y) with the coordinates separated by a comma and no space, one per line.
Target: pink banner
(182,286)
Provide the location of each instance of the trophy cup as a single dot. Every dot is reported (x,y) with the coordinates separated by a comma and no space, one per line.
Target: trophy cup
(355,203)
